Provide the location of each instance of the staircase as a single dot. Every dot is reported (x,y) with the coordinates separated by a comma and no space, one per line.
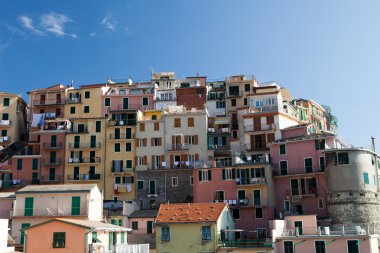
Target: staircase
(11,150)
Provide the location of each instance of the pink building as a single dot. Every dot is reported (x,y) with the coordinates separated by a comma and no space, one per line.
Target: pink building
(6,204)
(301,233)
(299,170)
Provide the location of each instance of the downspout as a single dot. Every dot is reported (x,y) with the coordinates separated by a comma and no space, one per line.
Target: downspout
(104,159)
(25,239)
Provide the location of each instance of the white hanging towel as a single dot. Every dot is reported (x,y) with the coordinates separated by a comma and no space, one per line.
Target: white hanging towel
(38,119)
(129,187)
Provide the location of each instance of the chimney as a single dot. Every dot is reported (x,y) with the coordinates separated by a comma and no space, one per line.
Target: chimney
(373,144)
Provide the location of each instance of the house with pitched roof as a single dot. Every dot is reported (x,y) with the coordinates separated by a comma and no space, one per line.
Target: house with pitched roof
(192,227)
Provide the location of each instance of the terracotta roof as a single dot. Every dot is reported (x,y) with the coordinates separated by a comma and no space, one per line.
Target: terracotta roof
(57,188)
(189,213)
(55,87)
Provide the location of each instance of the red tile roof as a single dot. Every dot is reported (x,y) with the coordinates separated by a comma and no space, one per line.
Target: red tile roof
(189,213)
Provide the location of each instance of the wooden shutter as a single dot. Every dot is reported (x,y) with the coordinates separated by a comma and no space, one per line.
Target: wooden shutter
(183,157)
(160,141)
(270,137)
(173,139)
(162,159)
(142,127)
(196,157)
(152,142)
(156,126)
(186,141)
(171,160)
(190,122)
(144,141)
(196,139)
(145,160)
(153,161)
(137,142)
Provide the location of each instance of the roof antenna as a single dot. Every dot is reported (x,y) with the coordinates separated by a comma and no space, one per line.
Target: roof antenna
(72,83)
(373,144)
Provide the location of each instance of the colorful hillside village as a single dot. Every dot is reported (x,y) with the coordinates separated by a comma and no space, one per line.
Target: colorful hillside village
(182,165)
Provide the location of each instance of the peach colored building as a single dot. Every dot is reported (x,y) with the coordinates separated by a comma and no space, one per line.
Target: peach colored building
(299,170)
(301,233)
(70,235)
(38,203)
(142,221)
(6,204)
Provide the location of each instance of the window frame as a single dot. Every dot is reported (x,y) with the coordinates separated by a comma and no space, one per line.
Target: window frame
(174,181)
(206,233)
(57,239)
(165,234)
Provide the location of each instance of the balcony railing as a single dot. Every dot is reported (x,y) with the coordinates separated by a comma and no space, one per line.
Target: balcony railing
(173,147)
(251,181)
(121,169)
(53,115)
(234,202)
(79,130)
(257,147)
(122,136)
(4,139)
(122,107)
(48,102)
(86,145)
(83,177)
(73,100)
(53,145)
(294,171)
(53,180)
(48,211)
(166,98)
(124,122)
(234,94)
(220,148)
(74,160)
(56,161)
(224,130)
(336,230)
(250,128)
(5,122)
(245,244)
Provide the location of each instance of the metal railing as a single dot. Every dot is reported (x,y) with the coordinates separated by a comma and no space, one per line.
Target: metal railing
(223,130)
(245,244)
(121,107)
(251,128)
(234,202)
(74,100)
(124,122)
(293,171)
(53,145)
(251,181)
(74,160)
(79,130)
(48,211)
(48,102)
(84,177)
(53,115)
(182,146)
(336,230)
(122,136)
(120,169)
(56,161)
(86,145)
(5,122)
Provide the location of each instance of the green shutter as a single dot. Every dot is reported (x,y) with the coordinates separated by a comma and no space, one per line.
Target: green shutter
(209,175)
(200,175)
(6,102)
(23,225)
(35,164)
(122,237)
(28,209)
(224,174)
(75,205)
(98,126)
(129,163)
(128,133)
(233,174)
(120,222)
(110,241)
(19,164)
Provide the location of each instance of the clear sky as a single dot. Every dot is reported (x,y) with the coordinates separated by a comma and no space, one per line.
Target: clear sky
(325,50)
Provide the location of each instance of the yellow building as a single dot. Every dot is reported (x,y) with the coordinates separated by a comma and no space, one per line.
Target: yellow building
(192,227)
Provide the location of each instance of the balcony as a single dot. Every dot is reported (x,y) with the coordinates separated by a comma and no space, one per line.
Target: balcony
(234,202)
(5,139)
(5,122)
(79,130)
(251,128)
(277,172)
(48,212)
(51,162)
(53,115)
(53,145)
(177,147)
(172,98)
(122,137)
(83,177)
(336,230)
(120,169)
(223,130)
(51,180)
(124,122)
(48,102)
(87,145)
(257,147)
(262,159)
(78,160)
(54,126)
(235,93)
(74,100)
(245,243)
(251,181)
(122,107)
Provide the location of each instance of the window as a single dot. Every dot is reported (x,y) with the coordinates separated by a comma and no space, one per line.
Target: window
(320,247)
(86,109)
(353,246)
(204,175)
(190,122)
(322,164)
(107,102)
(72,110)
(320,203)
(256,197)
(219,195)
(177,122)
(343,158)
(283,149)
(241,194)
(142,142)
(191,139)
(35,164)
(156,142)
(320,144)
(59,239)
(233,102)
(128,164)
(220,104)
(5,116)
(206,233)
(140,184)
(154,117)
(365,178)
(174,181)
(6,102)
(286,205)
(156,126)
(309,165)
(19,164)
(191,180)
(75,205)
(117,147)
(247,87)
(228,174)
(135,225)
(140,160)
(98,126)
(152,187)
(294,186)
(245,101)
(87,94)
(288,247)
(270,120)
(259,213)
(4,133)
(23,225)
(28,208)
(145,101)
(283,168)
(165,234)
(142,127)
(128,147)
(117,180)
(236,213)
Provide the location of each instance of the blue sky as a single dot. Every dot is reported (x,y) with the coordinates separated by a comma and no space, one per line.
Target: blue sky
(325,50)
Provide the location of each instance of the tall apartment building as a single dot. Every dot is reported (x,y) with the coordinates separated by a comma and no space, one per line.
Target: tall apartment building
(311,112)
(165,90)
(86,137)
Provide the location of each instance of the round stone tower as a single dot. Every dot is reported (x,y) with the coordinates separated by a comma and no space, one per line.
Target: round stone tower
(353,187)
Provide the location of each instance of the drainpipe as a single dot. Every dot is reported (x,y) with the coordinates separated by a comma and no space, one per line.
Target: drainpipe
(25,239)
(104,158)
